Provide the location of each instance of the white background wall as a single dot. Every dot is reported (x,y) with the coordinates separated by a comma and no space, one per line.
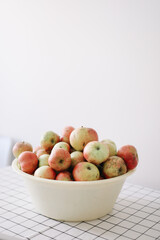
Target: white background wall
(83,62)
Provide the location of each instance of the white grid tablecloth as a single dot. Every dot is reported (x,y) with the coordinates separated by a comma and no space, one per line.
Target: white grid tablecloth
(136,215)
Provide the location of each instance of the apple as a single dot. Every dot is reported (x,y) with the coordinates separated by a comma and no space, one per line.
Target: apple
(36,149)
(43,160)
(48,140)
(59,159)
(41,152)
(96,152)
(64,176)
(45,172)
(20,147)
(63,145)
(85,171)
(81,136)
(112,147)
(76,157)
(66,134)
(130,156)
(114,166)
(28,162)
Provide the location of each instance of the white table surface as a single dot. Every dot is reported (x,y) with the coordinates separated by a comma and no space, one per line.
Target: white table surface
(136,215)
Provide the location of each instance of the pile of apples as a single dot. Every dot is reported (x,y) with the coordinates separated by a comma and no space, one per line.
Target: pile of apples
(77,155)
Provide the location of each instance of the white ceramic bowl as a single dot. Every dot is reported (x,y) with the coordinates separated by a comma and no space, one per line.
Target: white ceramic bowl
(73,201)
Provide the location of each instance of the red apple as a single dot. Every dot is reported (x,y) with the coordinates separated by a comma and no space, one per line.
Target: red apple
(64,176)
(85,171)
(81,136)
(96,152)
(59,159)
(114,166)
(28,162)
(20,147)
(36,149)
(41,152)
(66,134)
(130,156)
(45,172)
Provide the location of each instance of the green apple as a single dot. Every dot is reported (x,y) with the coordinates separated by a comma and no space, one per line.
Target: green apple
(45,172)
(112,147)
(48,140)
(76,157)
(96,152)
(113,167)
(63,145)
(43,160)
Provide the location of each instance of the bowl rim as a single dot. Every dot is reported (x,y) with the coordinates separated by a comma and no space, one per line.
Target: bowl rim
(51,181)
